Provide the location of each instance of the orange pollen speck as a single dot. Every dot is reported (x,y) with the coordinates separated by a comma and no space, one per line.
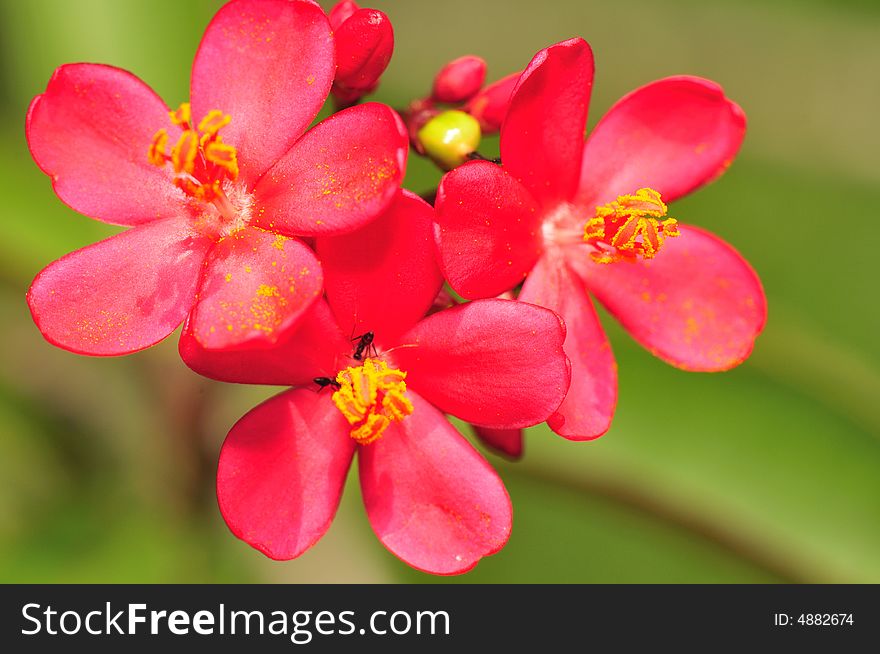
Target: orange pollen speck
(629,227)
(371,396)
(200,158)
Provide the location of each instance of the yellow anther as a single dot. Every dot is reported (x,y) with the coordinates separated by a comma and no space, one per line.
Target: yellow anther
(203,192)
(397,406)
(207,192)
(214,121)
(217,161)
(223,155)
(183,154)
(371,397)
(645,202)
(187,185)
(157,155)
(631,225)
(670,227)
(182,115)
(370,430)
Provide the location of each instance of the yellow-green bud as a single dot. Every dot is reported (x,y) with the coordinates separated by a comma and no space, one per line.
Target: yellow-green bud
(448,138)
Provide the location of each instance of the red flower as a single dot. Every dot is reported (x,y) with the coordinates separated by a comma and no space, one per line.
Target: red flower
(213,193)
(578,217)
(431,498)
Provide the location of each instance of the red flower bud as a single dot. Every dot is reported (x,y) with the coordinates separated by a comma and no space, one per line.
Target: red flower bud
(416,115)
(364,43)
(459,80)
(490,105)
(341,12)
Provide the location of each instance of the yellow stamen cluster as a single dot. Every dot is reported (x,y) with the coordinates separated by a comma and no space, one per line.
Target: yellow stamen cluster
(370,397)
(632,226)
(200,158)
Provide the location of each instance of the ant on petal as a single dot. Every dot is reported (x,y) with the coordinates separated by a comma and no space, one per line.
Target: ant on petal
(364,345)
(365,341)
(324,382)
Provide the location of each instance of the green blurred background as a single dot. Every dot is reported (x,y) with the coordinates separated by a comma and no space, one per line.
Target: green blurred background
(767,473)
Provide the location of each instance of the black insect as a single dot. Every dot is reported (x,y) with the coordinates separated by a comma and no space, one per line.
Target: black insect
(324,382)
(365,341)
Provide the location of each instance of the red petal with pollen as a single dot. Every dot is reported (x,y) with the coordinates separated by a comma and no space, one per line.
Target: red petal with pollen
(123,294)
(281,472)
(589,406)
(91,132)
(431,498)
(384,277)
(256,285)
(310,349)
(508,442)
(493,363)
(488,230)
(343,173)
(364,43)
(268,64)
(672,135)
(542,136)
(697,305)
(490,105)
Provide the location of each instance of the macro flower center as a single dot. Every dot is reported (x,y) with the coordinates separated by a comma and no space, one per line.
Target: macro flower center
(371,396)
(205,168)
(631,226)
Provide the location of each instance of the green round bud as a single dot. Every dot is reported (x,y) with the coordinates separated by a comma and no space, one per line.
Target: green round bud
(449,137)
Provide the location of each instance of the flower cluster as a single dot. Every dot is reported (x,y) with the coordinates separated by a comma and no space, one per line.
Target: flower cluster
(293,257)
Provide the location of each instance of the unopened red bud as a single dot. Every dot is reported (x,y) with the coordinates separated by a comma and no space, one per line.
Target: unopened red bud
(341,12)
(459,80)
(364,43)
(490,105)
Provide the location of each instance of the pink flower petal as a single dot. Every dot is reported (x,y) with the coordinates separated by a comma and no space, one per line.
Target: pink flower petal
(384,277)
(542,136)
(268,64)
(494,363)
(589,406)
(281,472)
(122,294)
(310,349)
(256,286)
(672,135)
(697,305)
(91,132)
(490,105)
(343,173)
(488,230)
(432,500)
(508,442)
